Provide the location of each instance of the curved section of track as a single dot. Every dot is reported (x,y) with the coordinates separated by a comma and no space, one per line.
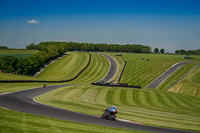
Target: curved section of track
(23,101)
(113,68)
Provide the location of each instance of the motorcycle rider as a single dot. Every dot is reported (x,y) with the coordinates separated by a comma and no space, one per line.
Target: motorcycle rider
(111,109)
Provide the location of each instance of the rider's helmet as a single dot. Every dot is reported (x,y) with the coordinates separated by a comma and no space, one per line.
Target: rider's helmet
(112,106)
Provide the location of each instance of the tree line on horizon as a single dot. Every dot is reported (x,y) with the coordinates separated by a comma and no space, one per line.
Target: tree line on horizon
(50,50)
(190,52)
(75,46)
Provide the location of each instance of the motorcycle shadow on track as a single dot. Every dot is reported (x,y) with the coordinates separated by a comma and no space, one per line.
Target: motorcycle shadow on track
(109,115)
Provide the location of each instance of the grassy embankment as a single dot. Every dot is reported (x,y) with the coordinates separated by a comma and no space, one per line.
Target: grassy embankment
(142,72)
(189,85)
(65,68)
(97,69)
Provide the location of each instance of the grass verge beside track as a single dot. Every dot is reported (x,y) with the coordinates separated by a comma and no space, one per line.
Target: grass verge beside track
(157,108)
(189,85)
(18,122)
(176,76)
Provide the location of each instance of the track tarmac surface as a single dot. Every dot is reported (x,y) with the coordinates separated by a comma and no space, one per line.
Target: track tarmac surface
(23,101)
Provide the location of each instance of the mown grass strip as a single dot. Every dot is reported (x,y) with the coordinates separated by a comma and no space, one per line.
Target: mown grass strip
(17,122)
(97,69)
(66,68)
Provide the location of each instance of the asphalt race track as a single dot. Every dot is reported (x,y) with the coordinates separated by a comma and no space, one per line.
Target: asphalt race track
(113,67)
(23,101)
(165,75)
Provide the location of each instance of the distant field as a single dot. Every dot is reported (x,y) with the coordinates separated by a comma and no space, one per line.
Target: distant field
(152,107)
(141,72)
(17,53)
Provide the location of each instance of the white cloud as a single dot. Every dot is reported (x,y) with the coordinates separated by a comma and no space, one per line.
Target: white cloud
(33,21)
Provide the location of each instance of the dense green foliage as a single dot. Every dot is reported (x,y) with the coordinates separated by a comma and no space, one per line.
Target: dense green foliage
(193,52)
(32,63)
(3,47)
(32,46)
(162,51)
(156,50)
(72,46)
(151,107)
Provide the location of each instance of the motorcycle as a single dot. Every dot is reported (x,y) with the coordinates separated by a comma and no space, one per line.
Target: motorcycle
(109,115)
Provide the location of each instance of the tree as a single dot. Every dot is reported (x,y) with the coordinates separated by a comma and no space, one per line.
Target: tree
(177,51)
(156,50)
(32,46)
(162,51)
(182,51)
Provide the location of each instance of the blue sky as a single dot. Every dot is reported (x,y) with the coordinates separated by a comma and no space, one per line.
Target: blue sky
(168,24)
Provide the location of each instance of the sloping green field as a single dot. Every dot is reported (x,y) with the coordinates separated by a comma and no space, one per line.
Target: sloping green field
(151,107)
(141,72)
(65,68)
(97,69)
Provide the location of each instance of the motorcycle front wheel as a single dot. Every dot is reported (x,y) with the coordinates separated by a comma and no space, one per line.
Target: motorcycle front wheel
(102,116)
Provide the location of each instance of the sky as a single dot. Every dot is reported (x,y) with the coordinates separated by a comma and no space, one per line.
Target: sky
(168,24)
